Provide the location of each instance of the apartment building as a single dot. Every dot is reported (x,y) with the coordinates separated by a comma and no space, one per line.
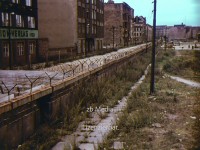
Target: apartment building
(90,25)
(71,26)
(117,24)
(18,33)
(161,31)
(140,30)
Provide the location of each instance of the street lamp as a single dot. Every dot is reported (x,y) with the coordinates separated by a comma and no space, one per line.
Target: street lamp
(9,38)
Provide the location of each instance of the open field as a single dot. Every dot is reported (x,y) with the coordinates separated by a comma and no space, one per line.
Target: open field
(165,120)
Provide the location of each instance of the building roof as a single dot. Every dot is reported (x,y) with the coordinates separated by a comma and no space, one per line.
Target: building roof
(140,19)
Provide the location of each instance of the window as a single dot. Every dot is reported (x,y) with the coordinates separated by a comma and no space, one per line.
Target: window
(20,48)
(15,1)
(4,19)
(19,21)
(28,2)
(5,50)
(32,48)
(31,22)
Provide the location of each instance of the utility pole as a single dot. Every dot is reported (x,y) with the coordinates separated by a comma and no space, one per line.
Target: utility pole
(165,42)
(153,51)
(165,38)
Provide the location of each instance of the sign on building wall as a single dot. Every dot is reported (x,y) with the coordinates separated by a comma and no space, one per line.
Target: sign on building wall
(18,34)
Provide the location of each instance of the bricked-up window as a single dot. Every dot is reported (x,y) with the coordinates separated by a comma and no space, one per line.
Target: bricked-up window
(92,14)
(20,48)
(92,29)
(4,19)
(16,1)
(79,28)
(19,21)
(31,22)
(28,2)
(5,50)
(88,28)
(95,30)
(79,11)
(32,47)
(87,14)
(83,28)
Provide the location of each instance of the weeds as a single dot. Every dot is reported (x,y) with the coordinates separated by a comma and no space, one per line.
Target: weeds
(106,91)
(196,127)
(146,116)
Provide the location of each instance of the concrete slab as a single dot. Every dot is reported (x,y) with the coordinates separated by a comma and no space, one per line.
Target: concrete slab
(118,145)
(87,146)
(62,146)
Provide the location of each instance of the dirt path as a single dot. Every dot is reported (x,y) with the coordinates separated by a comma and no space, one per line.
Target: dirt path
(185,81)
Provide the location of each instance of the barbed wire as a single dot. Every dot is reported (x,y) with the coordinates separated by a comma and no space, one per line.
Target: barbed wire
(26,84)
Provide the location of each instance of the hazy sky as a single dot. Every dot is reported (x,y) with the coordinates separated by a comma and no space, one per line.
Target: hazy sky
(169,12)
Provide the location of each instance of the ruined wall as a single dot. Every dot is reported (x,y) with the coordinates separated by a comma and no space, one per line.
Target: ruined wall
(113,17)
(182,33)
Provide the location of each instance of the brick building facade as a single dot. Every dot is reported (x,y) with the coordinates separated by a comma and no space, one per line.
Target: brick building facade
(90,25)
(71,26)
(118,24)
(140,30)
(149,32)
(18,33)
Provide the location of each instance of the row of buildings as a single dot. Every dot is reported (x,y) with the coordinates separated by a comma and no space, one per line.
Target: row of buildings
(178,33)
(33,31)
(121,28)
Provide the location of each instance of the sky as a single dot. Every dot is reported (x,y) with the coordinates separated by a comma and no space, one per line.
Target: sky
(169,12)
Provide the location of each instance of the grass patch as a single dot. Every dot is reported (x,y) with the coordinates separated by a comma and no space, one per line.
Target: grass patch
(196,128)
(185,65)
(159,121)
(102,92)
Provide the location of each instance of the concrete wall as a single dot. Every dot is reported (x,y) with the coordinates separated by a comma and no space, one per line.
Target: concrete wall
(57,21)
(17,125)
(20,118)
